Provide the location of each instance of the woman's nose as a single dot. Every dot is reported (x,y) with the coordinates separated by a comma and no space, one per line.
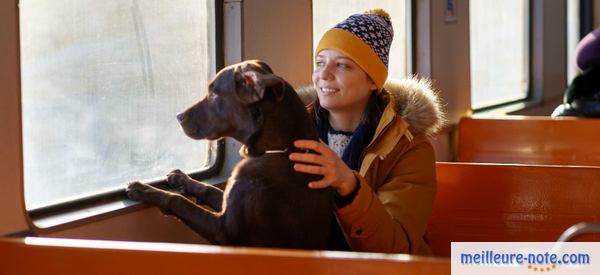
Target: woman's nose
(325,73)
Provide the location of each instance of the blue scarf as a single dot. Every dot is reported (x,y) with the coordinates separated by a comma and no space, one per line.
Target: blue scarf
(358,142)
(352,155)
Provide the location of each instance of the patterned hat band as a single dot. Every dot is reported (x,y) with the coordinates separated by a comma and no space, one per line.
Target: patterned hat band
(373,29)
(366,39)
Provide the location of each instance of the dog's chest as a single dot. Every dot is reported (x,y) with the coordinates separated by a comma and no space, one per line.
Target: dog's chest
(269,178)
(267,170)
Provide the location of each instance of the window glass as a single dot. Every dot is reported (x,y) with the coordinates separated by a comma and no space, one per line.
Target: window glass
(328,13)
(102,82)
(499,48)
(573,37)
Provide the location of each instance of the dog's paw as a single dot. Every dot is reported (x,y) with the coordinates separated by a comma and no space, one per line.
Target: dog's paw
(137,190)
(177,178)
(150,195)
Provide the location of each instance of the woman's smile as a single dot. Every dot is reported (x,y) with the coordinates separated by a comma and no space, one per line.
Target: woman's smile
(328,91)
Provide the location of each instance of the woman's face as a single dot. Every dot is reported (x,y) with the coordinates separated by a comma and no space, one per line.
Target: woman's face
(341,84)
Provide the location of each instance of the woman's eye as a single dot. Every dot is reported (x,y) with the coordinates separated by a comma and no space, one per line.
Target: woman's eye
(320,64)
(343,66)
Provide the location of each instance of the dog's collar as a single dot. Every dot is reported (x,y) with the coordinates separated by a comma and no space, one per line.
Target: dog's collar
(284,151)
(244,151)
(289,150)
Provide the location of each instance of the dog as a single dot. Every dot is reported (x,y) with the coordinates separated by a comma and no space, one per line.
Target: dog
(265,202)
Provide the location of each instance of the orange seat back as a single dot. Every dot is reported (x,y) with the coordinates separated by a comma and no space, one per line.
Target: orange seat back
(529,140)
(501,202)
(68,256)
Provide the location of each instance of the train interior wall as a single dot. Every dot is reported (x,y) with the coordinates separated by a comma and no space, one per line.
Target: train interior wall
(281,33)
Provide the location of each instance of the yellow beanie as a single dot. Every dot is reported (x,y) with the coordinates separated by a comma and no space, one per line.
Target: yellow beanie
(365,38)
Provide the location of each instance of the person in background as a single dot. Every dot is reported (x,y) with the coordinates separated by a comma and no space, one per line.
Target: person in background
(582,97)
(375,148)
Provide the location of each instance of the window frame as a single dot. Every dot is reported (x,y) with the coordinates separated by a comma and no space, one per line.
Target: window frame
(530,98)
(64,212)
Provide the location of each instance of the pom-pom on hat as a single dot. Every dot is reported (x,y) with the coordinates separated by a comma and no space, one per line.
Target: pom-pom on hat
(366,39)
(587,51)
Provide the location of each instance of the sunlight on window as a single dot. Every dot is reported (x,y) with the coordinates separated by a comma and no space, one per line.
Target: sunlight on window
(101,84)
(327,13)
(499,41)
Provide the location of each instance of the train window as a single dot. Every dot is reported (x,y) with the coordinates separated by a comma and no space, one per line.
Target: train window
(499,51)
(102,82)
(327,13)
(573,37)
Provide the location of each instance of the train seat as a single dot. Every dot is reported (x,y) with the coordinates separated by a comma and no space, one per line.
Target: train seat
(511,203)
(529,140)
(34,255)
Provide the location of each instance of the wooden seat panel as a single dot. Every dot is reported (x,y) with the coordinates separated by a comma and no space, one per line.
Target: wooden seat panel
(529,140)
(501,202)
(68,256)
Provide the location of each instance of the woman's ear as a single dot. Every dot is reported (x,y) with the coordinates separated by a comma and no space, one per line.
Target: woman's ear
(373,86)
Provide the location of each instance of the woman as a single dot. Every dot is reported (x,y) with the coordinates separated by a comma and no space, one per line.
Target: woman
(376,151)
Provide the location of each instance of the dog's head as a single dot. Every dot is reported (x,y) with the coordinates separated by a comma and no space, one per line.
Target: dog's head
(230,107)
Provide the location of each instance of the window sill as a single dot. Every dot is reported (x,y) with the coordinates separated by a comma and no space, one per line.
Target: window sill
(506,109)
(113,203)
(90,213)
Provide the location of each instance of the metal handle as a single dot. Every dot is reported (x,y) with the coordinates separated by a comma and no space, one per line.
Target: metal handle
(579,229)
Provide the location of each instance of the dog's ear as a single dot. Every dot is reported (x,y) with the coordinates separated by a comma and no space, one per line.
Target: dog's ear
(263,66)
(251,86)
(256,65)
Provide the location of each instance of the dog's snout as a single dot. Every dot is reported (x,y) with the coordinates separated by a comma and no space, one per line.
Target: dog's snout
(180,117)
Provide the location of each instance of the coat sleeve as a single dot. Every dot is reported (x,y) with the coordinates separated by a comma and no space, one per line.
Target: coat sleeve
(393,218)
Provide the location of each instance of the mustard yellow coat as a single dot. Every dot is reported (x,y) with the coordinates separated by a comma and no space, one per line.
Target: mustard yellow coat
(397,175)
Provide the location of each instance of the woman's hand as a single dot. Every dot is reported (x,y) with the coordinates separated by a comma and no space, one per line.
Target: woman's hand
(326,163)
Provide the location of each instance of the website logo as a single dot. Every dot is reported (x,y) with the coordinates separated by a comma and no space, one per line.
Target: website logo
(525,258)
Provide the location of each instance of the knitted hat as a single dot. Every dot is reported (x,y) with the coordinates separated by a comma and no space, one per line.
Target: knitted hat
(365,38)
(587,51)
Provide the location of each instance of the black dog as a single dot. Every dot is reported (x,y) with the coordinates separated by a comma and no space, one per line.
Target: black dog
(265,203)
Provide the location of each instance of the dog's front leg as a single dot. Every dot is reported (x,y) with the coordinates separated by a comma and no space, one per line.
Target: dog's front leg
(204,221)
(204,193)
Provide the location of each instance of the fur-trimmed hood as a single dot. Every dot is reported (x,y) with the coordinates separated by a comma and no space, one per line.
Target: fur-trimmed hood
(415,101)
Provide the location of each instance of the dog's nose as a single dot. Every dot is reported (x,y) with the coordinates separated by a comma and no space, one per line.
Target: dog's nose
(180,117)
